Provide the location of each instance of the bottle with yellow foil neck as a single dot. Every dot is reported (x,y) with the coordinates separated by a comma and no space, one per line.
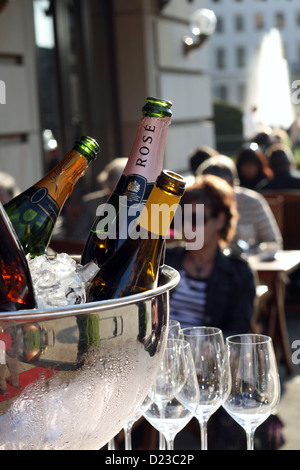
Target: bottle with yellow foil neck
(134,267)
(34,212)
(145,163)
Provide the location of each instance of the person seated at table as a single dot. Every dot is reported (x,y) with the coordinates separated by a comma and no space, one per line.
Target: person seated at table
(252,167)
(253,209)
(282,163)
(215,289)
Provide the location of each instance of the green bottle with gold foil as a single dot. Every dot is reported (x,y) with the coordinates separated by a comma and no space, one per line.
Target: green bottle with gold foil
(34,212)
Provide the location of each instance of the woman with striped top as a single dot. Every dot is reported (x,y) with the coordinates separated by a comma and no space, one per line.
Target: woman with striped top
(216,289)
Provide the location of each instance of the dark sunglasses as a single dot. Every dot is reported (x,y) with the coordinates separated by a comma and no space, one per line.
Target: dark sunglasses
(206,218)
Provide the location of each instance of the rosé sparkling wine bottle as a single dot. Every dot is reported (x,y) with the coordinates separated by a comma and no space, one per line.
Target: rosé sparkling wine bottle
(144,165)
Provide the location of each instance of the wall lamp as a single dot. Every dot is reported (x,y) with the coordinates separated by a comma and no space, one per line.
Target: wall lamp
(202,25)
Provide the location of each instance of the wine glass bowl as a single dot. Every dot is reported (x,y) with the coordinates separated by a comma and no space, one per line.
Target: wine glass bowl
(81,388)
(246,237)
(174,329)
(255,389)
(212,369)
(173,333)
(172,400)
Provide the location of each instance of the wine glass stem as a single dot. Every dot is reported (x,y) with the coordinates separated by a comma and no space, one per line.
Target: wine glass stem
(203,432)
(128,442)
(162,445)
(170,444)
(250,440)
(111,445)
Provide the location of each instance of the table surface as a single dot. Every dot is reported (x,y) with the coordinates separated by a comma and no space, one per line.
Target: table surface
(276,273)
(285,261)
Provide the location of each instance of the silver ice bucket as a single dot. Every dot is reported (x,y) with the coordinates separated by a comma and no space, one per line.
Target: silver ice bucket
(71,377)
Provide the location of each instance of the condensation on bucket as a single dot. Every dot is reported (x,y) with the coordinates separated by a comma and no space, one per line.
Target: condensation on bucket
(89,396)
(82,414)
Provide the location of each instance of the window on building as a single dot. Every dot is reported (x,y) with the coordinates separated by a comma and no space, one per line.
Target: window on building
(221,92)
(221,58)
(259,21)
(240,56)
(72,82)
(279,20)
(241,92)
(239,23)
(220,25)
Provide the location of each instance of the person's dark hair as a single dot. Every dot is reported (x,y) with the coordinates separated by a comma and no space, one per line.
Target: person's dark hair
(199,155)
(280,157)
(221,166)
(252,153)
(263,140)
(219,196)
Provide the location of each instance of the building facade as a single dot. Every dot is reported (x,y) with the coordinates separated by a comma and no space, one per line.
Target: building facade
(78,67)
(242,26)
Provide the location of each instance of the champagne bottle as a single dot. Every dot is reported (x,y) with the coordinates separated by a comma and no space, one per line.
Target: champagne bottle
(134,267)
(144,164)
(16,290)
(34,212)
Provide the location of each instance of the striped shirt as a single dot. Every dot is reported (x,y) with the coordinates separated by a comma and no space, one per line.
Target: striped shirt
(253,209)
(188,301)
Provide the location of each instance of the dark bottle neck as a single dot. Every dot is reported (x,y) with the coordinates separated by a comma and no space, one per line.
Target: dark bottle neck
(87,147)
(156,107)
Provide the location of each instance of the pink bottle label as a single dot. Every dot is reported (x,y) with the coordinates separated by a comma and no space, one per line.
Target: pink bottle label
(145,162)
(146,157)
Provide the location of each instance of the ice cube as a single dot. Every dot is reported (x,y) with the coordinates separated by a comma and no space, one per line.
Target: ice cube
(56,298)
(59,280)
(46,279)
(87,272)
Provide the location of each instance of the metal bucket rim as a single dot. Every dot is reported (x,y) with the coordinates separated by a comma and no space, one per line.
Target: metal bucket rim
(170,274)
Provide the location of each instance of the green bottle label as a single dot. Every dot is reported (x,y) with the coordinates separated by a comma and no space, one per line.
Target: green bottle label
(41,198)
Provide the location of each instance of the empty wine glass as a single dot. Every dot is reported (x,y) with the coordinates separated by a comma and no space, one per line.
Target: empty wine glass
(255,390)
(174,396)
(212,368)
(128,430)
(174,329)
(173,333)
(111,444)
(246,237)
